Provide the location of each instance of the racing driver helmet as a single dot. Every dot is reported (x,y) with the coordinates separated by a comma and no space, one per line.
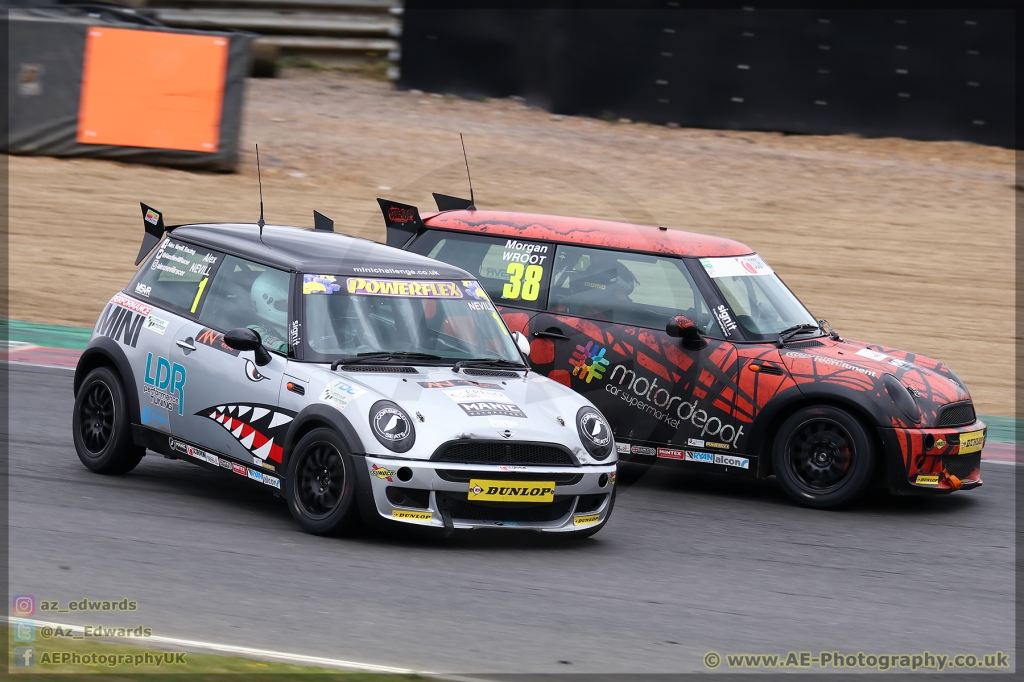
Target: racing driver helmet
(269,296)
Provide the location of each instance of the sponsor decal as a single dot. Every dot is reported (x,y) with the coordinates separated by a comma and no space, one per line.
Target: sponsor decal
(403,515)
(382,473)
(214,339)
(487,409)
(643,450)
(252,373)
(340,393)
(453,383)
(735,266)
(470,394)
(402,287)
(239,469)
(511,491)
(155,324)
(589,362)
(586,520)
(872,355)
(193,451)
(260,462)
(225,464)
(695,442)
(671,453)
(725,320)
(254,475)
(830,361)
(143,289)
(272,481)
(122,323)
(971,442)
(704,457)
(165,388)
(503,423)
(722,446)
(152,217)
(940,443)
(293,333)
(731,461)
(320,284)
(397,214)
(595,429)
(155,417)
(259,428)
(511,467)
(923,479)
(622,448)
(507,524)
(613,476)
(391,424)
(474,290)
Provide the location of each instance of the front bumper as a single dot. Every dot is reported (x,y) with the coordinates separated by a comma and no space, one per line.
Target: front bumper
(435,494)
(931,460)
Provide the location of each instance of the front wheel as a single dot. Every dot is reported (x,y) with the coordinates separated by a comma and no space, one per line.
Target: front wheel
(101,428)
(823,457)
(321,483)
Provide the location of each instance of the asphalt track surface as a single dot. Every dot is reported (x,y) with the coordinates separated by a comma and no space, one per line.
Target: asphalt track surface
(688,564)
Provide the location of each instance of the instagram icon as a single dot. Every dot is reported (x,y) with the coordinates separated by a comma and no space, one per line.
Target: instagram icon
(24,605)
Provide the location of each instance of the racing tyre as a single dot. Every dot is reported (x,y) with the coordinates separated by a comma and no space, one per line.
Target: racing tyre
(101,427)
(321,484)
(823,457)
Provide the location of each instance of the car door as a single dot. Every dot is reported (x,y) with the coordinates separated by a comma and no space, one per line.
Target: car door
(514,272)
(603,334)
(231,405)
(161,298)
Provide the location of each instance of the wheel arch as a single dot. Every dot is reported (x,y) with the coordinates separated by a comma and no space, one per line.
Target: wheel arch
(104,352)
(320,416)
(768,422)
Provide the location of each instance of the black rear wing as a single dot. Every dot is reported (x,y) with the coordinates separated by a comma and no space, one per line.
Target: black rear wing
(403,221)
(153,221)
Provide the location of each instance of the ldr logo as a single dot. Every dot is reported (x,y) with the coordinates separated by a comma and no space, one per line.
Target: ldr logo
(169,379)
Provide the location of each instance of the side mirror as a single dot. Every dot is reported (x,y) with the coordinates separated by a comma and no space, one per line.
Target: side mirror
(522,342)
(243,338)
(682,327)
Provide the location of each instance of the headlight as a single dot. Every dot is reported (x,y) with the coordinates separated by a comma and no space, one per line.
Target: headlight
(392,426)
(901,396)
(594,432)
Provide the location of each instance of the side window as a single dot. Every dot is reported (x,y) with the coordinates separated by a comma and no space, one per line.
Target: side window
(245,294)
(176,276)
(626,288)
(512,271)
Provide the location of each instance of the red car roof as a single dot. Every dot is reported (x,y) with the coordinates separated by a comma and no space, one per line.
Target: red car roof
(586,231)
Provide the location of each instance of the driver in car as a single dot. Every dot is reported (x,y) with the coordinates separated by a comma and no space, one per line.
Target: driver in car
(269,297)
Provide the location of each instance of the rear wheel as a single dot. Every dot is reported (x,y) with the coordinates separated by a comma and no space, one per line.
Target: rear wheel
(101,428)
(823,457)
(321,484)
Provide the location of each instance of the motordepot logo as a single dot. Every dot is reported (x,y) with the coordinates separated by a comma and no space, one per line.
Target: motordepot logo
(830,361)
(648,397)
(838,660)
(588,362)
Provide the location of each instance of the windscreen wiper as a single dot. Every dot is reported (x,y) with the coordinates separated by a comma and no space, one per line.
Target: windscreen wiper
(488,362)
(383,357)
(788,333)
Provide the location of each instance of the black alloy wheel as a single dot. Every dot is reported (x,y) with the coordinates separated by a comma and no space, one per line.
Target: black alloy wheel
(320,484)
(823,456)
(100,426)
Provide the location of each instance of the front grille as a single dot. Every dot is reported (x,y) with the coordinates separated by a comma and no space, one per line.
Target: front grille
(498,452)
(961,466)
(490,373)
(957,414)
(803,344)
(461,476)
(393,369)
(515,512)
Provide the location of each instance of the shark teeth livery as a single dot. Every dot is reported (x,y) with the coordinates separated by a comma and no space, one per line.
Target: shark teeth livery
(259,428)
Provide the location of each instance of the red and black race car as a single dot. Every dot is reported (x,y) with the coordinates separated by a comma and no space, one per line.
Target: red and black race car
(701,357)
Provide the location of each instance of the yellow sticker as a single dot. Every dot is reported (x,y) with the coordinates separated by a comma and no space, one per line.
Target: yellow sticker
(587,520)
(927,480)
(511,491)
(199,294)
(971,442)
(402,515)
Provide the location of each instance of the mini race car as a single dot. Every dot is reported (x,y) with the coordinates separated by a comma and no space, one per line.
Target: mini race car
(355,379)
(701,357)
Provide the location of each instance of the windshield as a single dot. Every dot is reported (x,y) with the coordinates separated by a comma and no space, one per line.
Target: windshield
(349,316)
(763,305)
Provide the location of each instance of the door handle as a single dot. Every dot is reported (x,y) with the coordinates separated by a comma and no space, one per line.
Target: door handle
(552,333)
(186,344)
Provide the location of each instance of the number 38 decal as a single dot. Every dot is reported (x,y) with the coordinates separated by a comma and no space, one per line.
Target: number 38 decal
(524,282)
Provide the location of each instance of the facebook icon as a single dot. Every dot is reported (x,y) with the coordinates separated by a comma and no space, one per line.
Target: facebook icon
(24,656)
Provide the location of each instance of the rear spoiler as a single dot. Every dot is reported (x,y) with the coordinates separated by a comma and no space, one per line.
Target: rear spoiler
(402,222)
(153,221)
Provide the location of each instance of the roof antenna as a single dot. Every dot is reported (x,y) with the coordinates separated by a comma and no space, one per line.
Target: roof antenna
(472,201)
(259,178)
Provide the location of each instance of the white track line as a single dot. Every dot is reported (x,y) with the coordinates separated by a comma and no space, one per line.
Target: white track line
(250,652)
